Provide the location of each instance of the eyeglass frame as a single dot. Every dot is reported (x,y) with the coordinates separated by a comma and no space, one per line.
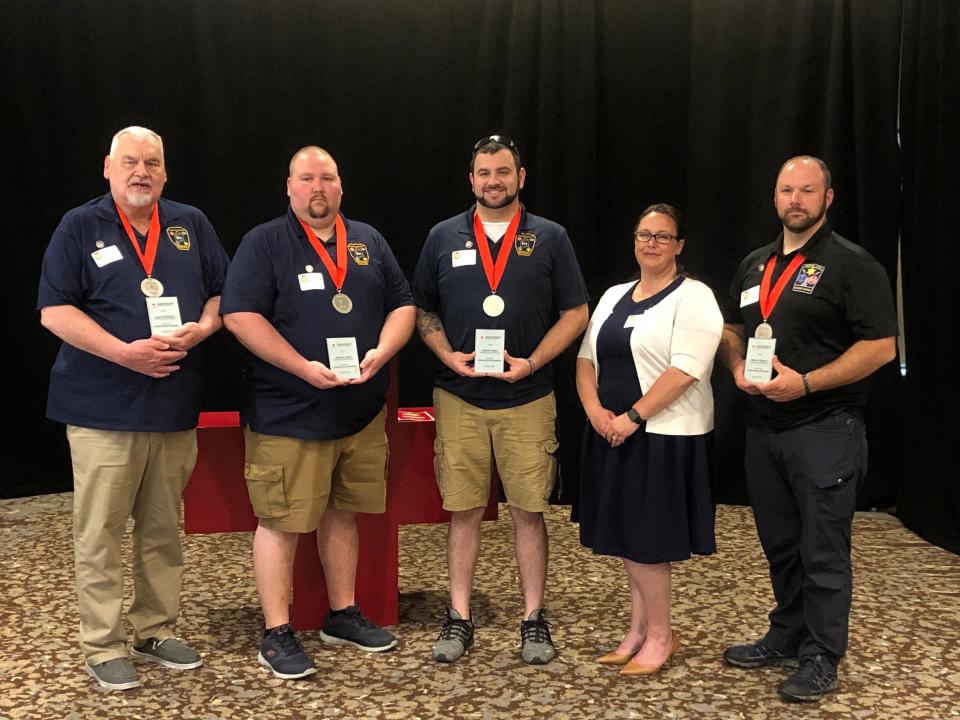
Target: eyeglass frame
(638,237)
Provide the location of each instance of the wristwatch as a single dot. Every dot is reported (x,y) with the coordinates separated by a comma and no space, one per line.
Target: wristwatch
(635,416)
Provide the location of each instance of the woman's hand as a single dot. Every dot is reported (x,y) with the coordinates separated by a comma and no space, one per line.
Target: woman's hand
(600,419)
(619,429)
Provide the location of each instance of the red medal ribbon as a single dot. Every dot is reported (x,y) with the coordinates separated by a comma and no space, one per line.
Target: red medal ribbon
(767,298)
(153,237)
(339,273)
(494,274)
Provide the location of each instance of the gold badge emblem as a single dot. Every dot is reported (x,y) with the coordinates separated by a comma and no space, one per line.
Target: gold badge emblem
(179,237)
(359,253)
(523,243)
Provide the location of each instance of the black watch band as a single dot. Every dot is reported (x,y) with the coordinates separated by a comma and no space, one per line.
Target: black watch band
(635,416)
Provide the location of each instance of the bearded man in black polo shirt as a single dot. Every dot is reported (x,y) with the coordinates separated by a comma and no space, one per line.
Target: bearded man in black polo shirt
(823,305)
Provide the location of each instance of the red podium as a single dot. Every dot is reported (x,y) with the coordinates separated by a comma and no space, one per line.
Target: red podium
(216,501)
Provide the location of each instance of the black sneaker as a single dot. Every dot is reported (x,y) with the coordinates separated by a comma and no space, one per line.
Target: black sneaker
(454,639)
(350,627)
(759,654)
(535,643)
(816,676)
(281,653)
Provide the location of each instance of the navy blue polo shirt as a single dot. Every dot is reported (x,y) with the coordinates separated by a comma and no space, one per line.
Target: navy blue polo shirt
(542,278)
(88,391)
(839,296)
(263,279)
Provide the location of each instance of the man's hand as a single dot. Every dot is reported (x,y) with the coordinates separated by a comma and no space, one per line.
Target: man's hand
(185,337)
(370,366)
(518,368)
(320,376)
(786,386)
(742,383)
(460,363)
(152,357)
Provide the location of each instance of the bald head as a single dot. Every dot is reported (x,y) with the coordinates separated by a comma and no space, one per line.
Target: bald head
(314,151)
(809,161)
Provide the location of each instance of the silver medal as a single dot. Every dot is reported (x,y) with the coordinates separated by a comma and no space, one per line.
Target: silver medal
(763,331)
(342,303)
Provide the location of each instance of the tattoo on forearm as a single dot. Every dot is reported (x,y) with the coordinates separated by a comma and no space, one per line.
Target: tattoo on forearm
(427,323)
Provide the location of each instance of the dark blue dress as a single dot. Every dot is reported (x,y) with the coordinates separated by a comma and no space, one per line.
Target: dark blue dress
(649,499)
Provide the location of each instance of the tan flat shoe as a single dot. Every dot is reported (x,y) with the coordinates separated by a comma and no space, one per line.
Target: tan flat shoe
(612,658)
(632,668)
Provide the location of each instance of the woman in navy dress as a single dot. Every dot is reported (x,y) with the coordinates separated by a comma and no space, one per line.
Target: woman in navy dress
(643,375)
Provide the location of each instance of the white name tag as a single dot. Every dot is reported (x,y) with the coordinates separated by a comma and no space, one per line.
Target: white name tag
(310,281)
(463,257)
(489,345)
(342,353)
(107,255)
(632,321)
(750,296)
(758,367)
(164,314)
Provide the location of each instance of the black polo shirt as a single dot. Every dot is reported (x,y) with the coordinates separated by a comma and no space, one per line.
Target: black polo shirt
(542,278)
(263,278)
(839,296)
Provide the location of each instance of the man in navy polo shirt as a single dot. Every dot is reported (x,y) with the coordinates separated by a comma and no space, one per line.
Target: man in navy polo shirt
(321,306)
(497,268)
(131,284)
(824,305)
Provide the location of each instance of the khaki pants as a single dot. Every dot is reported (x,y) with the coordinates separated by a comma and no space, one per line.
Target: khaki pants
(118,475)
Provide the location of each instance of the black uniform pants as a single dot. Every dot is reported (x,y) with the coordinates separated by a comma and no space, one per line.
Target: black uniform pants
(803,486)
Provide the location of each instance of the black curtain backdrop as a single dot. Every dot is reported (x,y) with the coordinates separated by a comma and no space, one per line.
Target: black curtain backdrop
(930,217)
(614,105)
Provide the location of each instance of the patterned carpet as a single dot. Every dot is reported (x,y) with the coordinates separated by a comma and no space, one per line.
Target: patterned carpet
(904,659)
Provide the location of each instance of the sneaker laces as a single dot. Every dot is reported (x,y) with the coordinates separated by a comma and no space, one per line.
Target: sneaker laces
(455,629)
(535,631)
(287,640)
(815,670)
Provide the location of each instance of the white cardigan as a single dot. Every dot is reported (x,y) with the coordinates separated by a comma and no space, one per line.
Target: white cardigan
(683,331)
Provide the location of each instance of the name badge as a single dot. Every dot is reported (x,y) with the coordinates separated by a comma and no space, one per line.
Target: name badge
(489,345)
(758,366)
(342,354)
(107,255)
(164,314)
(750,296)
(463,257)
(632,321)
(310,281)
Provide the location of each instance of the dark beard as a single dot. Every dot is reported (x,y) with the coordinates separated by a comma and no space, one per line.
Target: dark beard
(507,199)
(806,223)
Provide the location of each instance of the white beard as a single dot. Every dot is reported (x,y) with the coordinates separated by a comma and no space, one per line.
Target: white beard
(137,199)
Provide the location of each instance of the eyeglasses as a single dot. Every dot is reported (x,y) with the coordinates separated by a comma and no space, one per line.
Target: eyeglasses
(499,140)
(662,238)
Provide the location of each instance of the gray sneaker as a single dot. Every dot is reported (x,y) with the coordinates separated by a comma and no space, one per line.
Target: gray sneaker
(536,646)
(455,637)
(170,653)
(116,674)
